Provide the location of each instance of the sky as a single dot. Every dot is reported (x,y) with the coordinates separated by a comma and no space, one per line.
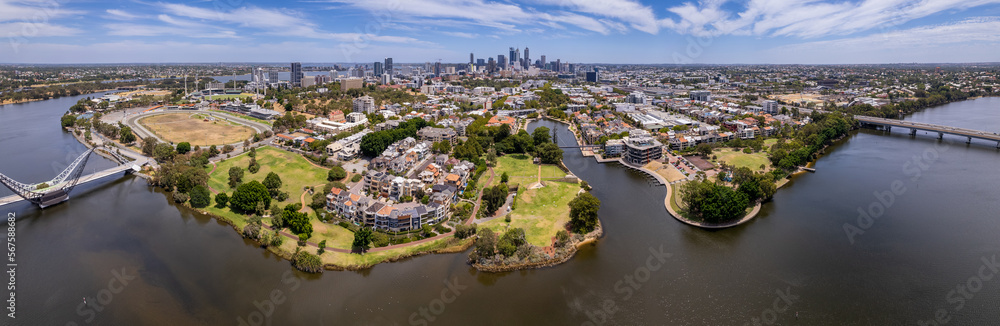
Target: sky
(580,31)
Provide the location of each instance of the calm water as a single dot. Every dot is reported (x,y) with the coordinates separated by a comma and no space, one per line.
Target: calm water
(189,269)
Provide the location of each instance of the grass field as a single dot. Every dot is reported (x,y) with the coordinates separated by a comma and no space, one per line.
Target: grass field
(294,170)
(540,212)
(739,159)
(226,97)
(769,142)
(192,128)
(522,171)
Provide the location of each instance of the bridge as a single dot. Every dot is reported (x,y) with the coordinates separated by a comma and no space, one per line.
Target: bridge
(57,189)
(887,124)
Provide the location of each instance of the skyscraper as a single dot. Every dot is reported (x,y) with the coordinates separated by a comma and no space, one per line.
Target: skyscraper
(527,59)
(491,66)
(437,68)
(558,67)
(388,66)
(472,58)
(272,76)
(296,74)
(542,64)
(511,56)
(378,69)
(502,61)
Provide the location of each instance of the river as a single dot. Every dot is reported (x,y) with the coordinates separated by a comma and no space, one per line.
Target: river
(793,264)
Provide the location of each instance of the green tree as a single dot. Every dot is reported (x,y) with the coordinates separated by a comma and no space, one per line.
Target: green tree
(273,183)
(504,177)
(200,196)
(127,137)
(362,239)
(704,149)
(148,145)
(221,200)
(583,212)
(235,176)
(713,203)
(183,148)
(249,195)
(550,153)
(163,152)
(485,242)
(336,173)
(254,166)
(322,247)
(68,120)
(296,221)
(541,135)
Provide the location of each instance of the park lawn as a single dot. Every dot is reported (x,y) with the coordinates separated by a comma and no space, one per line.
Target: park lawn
(521,170)
(540,212)
(295,172)
(739,159)
(336,236)
(769,142)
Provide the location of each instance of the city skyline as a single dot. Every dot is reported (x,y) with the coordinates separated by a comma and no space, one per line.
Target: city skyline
(615,32)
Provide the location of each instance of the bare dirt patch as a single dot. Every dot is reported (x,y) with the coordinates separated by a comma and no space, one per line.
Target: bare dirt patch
(196,129)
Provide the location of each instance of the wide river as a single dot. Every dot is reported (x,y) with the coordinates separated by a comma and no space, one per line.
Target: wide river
(140,260)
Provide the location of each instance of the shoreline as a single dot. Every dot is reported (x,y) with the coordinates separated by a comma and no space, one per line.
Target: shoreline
(561,256)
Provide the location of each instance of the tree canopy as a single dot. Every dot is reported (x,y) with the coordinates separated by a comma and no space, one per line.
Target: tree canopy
(249,195)
(583,212)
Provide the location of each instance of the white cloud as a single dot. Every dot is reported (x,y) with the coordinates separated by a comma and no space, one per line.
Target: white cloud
(150,30)
(806,19)
(277,22)
(121,14)
(461,34)
(631,12)
(36,12)
(921,44)
(507,16)
(29,30)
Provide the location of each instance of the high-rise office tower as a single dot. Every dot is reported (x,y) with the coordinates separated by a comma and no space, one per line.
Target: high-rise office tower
(388,66)
(272,76)
(502,61)
(296,74)
(510,56)
(472,58)
(527,59)
(480,62)
(572,68)
(542,65)
(378,69)
(437,68)
(491,66)
(558,67)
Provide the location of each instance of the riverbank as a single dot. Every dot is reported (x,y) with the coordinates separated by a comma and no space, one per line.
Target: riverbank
(558,256)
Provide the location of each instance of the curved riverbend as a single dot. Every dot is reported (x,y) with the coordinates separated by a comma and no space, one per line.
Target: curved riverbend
(187,268)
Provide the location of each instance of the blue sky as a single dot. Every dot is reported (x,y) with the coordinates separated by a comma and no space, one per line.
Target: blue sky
(585,31)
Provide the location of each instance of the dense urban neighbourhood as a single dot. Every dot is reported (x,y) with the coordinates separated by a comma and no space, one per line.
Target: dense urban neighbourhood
(362,164)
